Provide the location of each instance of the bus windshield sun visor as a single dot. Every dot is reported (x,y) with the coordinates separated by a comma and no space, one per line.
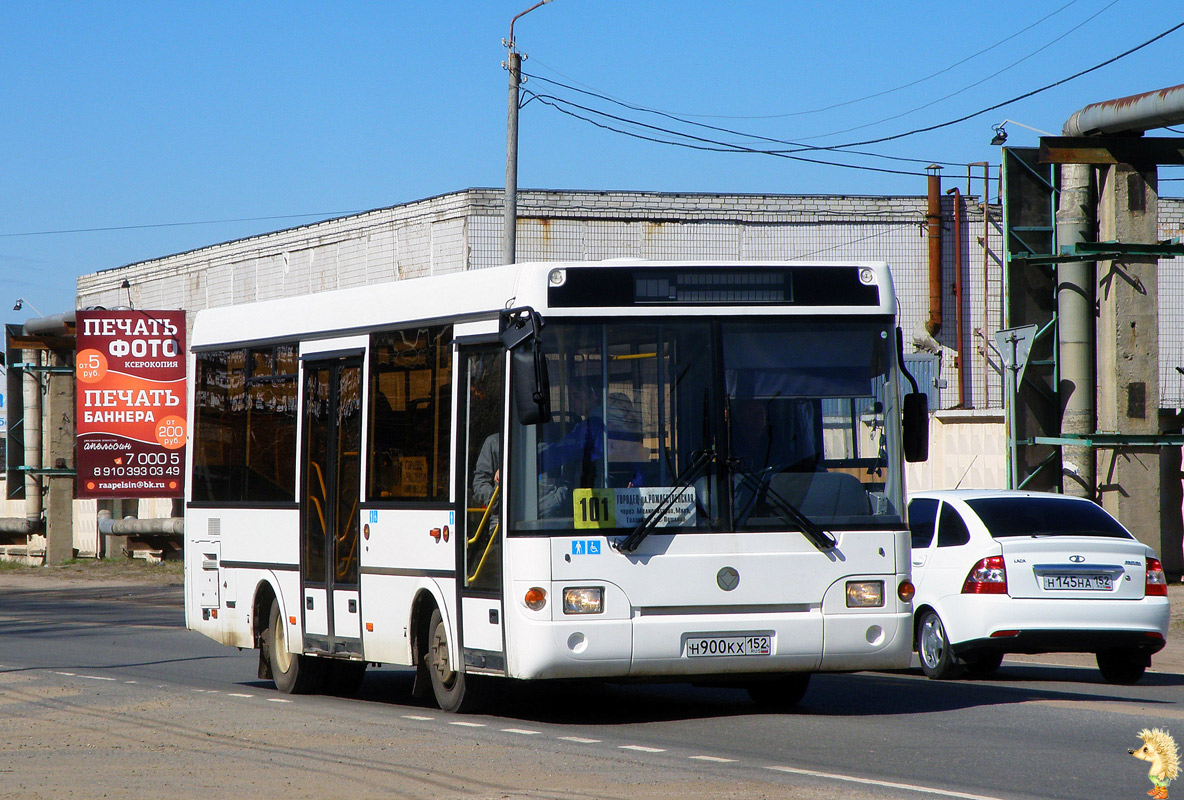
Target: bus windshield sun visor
(521,330)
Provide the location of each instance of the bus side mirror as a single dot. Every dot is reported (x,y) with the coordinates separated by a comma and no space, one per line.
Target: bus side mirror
(529,381)
(916,426)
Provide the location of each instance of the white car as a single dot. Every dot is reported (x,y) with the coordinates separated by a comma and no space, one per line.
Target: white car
(1029,572)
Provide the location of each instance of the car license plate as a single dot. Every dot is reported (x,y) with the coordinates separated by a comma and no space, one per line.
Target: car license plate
(707,646)
(1094,583)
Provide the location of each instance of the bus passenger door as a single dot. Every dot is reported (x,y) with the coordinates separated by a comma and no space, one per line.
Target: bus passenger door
(330,489)
(481,418)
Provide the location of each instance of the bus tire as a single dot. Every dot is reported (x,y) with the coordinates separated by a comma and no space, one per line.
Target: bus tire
(779,694)
(292,673)
(454,690)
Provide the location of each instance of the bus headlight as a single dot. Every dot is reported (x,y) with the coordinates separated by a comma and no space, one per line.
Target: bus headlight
(583,600)
(865,594)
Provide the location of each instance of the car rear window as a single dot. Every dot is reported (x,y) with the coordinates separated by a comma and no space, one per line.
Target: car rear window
(1044,516)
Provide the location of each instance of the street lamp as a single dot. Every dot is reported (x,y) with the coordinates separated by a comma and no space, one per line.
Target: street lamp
(1001,135)
(514,64)
(20,303)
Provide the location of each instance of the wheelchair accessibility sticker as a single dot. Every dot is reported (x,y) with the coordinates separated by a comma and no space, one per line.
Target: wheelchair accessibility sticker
(585,547)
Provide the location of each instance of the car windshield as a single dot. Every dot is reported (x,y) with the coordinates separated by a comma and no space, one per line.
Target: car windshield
(1045,516)
(730,425)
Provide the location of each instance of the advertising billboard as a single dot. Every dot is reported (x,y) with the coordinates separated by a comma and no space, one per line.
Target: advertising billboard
(130,388)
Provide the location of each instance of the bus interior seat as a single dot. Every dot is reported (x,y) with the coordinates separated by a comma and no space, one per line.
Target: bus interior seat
(823,494)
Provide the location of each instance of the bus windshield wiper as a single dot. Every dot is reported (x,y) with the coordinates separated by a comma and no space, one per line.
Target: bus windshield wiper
(702,459)
(787,511)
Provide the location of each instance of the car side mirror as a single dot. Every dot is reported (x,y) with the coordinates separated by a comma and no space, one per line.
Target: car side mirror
(529,381)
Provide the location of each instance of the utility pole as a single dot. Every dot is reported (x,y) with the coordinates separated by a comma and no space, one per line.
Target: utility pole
(514,64)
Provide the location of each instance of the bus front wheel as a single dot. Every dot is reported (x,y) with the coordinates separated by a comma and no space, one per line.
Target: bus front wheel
(454,690)
(293,673)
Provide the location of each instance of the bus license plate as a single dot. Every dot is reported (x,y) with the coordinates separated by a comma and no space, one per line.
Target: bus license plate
(1095,583)
(701,646)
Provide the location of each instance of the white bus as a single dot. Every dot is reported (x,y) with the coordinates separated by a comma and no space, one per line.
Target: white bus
(612,470)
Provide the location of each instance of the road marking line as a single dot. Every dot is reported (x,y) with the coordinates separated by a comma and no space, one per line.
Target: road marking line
(277,700)
(67,674)
(469,724)
(419,718)
(238,694)
(95,678)
(579,740)
(521,731)
(641,749)
(715,759)
(911,787)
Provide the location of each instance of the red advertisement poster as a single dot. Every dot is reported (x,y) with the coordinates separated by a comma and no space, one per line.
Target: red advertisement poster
(130,386)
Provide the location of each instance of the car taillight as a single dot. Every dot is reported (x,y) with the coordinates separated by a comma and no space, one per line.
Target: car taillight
(1157,582)
(988,576)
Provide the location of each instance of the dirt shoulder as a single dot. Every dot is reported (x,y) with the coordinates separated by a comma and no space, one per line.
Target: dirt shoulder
(98,572)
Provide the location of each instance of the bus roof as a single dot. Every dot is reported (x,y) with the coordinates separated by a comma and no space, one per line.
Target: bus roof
(475,294)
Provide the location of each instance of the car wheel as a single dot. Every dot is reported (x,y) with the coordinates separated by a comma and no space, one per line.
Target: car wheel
(985,664)
(293,673)
(937,660)
(1121,666)
(455,691)
(780,694)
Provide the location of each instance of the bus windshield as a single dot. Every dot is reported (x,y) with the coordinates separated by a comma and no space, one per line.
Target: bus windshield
(740,425)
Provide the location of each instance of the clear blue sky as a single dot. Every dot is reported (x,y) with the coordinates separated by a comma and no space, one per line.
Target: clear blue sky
(141,118)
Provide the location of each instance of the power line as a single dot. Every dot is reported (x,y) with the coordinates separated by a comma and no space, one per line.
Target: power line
(979,82)
(696,142)
(1016,99)
(327,215)
(800,147)
(857,99)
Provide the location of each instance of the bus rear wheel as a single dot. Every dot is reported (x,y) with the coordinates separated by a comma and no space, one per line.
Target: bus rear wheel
(454,690)
(293,673)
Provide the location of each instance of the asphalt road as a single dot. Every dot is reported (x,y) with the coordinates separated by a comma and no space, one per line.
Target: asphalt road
(103,693)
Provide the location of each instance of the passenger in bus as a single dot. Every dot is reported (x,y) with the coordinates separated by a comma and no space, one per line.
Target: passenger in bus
(583,444)
(487,473)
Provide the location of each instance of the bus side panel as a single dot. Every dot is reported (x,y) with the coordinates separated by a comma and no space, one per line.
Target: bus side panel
(228,554)
(386,613)
(404,552)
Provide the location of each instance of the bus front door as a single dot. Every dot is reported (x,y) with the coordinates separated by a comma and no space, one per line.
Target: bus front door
(481,408)
(330,488)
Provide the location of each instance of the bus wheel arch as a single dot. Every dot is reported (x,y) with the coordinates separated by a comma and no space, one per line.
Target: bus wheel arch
(292,673)
(421,614)
(265,595)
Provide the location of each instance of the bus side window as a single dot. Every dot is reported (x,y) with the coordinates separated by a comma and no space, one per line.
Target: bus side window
(410,400)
